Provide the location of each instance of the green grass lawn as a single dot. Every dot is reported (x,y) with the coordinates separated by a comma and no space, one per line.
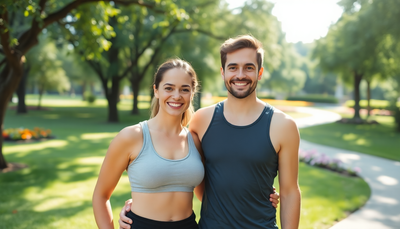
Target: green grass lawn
(378,140)
(55,190)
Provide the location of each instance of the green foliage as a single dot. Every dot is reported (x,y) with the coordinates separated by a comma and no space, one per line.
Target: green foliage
(46,68)
(374,103)
(316,98)
(266,96)
(289,77)
(89,97)
(396,116)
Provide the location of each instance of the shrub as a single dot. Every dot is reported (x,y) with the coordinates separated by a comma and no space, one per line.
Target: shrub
(315,98)
(396,115)
(266,97)
(89,97)
(375,104)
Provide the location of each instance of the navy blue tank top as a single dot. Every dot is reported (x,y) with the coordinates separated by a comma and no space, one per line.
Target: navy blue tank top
(241,164)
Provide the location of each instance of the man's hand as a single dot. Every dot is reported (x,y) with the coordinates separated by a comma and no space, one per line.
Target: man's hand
(124,222)
(274,198)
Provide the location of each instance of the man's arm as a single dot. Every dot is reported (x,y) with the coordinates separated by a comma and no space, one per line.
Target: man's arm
(288,172)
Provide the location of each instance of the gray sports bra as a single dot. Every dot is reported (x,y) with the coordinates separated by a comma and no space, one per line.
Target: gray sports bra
(151,173)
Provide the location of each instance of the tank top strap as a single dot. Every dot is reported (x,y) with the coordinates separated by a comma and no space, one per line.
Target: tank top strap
(219,111)
(268,111)
(192,146)
(146,133)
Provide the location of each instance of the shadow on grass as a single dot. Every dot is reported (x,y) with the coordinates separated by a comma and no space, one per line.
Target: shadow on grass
(56,190)
(77,215)
(378,140)
(328,197)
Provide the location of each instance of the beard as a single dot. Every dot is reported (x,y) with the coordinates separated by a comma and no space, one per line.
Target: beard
(241,94)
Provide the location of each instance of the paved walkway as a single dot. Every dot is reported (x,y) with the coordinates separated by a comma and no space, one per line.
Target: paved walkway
(382,210)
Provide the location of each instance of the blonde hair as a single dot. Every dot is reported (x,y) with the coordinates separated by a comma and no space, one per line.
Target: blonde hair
(164,67)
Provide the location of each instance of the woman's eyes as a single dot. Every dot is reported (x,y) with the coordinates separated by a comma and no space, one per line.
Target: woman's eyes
(171,89)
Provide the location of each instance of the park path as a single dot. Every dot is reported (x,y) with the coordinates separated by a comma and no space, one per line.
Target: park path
(382,210)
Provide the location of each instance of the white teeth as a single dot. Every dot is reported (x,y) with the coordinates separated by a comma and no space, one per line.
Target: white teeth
(240,84)
(175,104)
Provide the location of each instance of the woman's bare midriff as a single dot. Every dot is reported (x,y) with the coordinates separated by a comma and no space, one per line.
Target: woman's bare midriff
(163,206)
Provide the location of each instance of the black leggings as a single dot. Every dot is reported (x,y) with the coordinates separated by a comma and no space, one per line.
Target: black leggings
(139,222)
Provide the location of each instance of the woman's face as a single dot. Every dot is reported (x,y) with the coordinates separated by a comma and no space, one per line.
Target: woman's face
(174,92)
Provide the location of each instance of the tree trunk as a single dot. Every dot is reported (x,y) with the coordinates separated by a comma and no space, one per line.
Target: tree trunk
(369,97)
(112,99)
(135,90)
(197,100)
(21,92)
(83,90)
(41,90)
(9,81)
(357,81)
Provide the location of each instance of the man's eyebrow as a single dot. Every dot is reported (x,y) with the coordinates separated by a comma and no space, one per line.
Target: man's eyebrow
(234,64)
(251,64)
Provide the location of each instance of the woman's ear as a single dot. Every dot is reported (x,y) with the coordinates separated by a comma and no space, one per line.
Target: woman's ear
(155,91)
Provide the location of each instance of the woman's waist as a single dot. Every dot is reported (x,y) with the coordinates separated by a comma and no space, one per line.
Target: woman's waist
(163,206)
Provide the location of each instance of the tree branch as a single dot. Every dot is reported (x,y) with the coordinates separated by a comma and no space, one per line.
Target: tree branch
(68,8)
(153,57)
(208,33)
(5,39)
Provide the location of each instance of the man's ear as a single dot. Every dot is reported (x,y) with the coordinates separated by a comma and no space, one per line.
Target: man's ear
(260,73)
(155,91)
(222,73)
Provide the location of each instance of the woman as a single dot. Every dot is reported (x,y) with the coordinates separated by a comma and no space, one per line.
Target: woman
(159,155)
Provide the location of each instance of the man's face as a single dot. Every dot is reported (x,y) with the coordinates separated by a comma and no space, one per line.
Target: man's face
(241,75)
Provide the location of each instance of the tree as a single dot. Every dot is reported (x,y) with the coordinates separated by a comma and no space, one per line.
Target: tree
(46,71)
(348,49)
(41,13)
(288,77)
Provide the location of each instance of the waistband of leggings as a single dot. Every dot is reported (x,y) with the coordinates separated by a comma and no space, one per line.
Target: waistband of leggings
(173,224)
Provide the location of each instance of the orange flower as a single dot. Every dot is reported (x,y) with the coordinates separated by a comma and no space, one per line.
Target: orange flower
(26,136)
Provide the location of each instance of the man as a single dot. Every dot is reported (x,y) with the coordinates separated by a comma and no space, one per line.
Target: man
(245,142)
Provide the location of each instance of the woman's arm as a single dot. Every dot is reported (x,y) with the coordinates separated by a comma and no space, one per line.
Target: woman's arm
(115,162)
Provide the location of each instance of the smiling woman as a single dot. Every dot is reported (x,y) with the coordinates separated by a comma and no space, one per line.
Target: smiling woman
(160,156)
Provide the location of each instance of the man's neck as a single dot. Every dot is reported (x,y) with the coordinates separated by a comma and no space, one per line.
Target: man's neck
(241,106)
(242,112)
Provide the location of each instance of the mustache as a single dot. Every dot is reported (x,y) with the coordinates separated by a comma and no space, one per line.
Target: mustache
(240,80)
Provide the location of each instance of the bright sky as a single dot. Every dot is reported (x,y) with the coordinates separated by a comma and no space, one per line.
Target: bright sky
(303,20)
